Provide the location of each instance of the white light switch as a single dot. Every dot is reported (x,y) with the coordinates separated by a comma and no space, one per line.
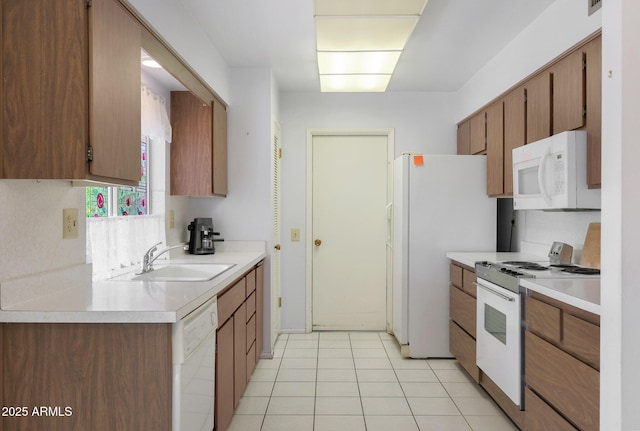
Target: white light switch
(69,223)
(295,234)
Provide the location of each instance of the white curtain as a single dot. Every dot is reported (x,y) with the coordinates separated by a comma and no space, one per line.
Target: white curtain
(154,119)
(114,243)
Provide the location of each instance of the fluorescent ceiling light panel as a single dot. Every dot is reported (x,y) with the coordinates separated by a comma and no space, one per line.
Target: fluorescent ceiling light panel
(368,7)
(376,62)
(354,83)
(363,33)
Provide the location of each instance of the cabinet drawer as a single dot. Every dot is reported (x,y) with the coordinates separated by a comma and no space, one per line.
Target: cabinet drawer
(251,332)
(544,319)
(462,310)
(539,416)
(468,282)
(463,347)
(251,305)
(455,275)
(251,282)
(582,338)
(230,300)
(568,385)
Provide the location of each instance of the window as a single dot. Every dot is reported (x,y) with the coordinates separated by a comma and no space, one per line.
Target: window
(121,201)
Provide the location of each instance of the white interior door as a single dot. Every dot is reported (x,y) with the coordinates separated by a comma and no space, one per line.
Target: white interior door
(349,231)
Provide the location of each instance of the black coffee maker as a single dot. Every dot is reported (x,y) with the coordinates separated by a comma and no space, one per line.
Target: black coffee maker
(201,238)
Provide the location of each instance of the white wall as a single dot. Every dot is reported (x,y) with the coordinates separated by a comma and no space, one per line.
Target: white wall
(31,227)
(422,122)
(620,296)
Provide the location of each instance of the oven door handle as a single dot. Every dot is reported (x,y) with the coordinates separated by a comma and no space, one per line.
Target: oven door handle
(495,292)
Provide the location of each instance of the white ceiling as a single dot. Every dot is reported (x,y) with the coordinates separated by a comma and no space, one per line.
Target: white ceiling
(452,40)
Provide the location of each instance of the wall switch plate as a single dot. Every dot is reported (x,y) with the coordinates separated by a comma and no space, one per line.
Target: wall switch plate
(295,234)
(172,219)
(69,223)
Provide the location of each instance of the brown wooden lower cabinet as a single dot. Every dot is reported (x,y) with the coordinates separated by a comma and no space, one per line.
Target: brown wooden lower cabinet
(562,350)
(462,312)
(224,403)
(238,342)
(568,384)
(87,376)
(539,416)
(463,347)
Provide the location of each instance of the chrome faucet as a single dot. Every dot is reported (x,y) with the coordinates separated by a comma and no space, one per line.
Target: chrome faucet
(149,257)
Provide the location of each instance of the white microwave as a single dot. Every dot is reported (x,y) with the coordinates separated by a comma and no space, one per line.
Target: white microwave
(551,174)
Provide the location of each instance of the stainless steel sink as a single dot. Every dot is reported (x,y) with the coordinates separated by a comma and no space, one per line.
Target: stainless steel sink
(178,272)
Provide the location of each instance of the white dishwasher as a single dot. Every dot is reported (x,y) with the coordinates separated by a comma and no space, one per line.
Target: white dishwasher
(194,351)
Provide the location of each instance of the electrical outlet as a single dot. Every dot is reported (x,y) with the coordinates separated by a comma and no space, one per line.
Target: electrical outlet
(69,223)
(172,219)
(295,234)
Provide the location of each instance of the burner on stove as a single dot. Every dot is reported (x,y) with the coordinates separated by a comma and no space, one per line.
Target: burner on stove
(533,266)
(580,270)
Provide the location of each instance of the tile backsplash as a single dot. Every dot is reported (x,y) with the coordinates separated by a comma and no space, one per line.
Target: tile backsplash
(31,226)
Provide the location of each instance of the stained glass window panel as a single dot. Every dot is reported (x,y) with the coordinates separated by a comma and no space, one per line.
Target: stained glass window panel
(97,202)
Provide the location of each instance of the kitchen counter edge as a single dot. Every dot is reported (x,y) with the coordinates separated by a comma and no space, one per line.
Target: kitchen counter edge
(180,298)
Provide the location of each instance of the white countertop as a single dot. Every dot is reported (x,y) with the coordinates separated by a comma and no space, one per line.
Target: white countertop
(583,293)
(69,295)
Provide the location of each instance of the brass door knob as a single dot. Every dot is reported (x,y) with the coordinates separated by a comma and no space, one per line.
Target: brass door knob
(277,246)
(317,242)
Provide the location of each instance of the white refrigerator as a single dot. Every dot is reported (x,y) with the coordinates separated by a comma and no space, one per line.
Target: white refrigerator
(439,205)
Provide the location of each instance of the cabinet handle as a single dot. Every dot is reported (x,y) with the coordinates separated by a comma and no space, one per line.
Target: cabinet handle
(277,246)
(317,242)
(488,289)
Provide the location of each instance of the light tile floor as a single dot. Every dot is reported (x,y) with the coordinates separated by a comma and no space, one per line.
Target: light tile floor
(357,381)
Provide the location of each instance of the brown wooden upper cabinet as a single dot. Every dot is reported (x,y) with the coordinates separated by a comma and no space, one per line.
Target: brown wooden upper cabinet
(569,92)
(565,95)
(463,138)
(515,117)
(478,133)
(70,91)
(539,107)
(198,147)
(495,149)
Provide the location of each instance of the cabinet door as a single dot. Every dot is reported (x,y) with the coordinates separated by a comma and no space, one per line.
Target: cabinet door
(463,138)
(477,133)
(114,91)
(495,149)
(569,385)
(239,353)
(539,107)
(568,92)
(191,148)
(463,347)
(224,399)
(593,52)
(514,132)
(219,149)
(44,85)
